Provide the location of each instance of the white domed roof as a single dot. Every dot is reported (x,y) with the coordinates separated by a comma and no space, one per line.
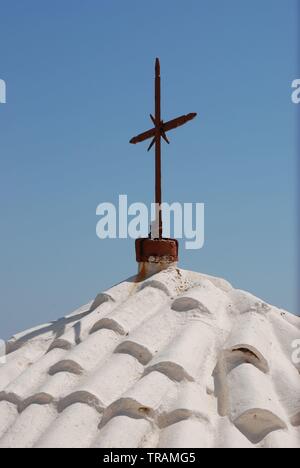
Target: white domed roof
(179,359)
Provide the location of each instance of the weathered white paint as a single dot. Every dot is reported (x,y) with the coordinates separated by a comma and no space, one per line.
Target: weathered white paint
(171,359)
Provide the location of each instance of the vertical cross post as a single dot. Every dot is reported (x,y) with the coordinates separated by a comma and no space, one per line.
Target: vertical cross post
(158,148)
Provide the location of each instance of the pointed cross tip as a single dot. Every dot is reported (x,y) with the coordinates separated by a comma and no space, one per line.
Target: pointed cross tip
(157,66)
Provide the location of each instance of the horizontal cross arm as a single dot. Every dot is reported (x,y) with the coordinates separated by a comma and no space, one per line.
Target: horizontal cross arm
(143,136)
(178,121)
(165,127)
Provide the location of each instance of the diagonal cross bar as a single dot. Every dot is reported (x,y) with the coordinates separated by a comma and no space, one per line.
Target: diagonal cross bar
(156,133)
(164,127)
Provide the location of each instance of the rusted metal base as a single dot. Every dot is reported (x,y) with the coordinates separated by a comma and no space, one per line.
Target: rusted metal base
(156,250)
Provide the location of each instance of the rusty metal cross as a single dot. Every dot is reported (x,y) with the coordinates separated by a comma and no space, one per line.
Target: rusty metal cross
(156,133)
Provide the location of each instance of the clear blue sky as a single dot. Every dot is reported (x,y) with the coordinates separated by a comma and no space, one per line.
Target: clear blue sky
(80,84)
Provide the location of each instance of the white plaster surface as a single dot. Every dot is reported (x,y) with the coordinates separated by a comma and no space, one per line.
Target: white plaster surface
(178,359)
